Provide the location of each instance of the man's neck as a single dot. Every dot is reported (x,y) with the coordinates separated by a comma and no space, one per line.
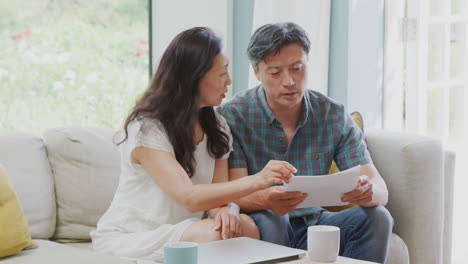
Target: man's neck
(287,116)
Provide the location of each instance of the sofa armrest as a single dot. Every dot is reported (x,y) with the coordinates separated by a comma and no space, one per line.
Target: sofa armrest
(449,190)
(413,168)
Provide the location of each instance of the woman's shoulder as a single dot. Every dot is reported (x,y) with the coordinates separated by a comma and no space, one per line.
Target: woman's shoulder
(142,128)
(222,122)
(149,132)
(146,123)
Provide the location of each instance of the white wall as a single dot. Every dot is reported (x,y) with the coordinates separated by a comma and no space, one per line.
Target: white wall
(314,17)
(174,16)
(356,57)
(365,62)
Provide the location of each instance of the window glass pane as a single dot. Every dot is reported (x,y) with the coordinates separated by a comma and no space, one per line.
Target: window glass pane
(71,62)
(457,53)
(435,58)
(456,112)
(434,112)
(458,6)
(436,7)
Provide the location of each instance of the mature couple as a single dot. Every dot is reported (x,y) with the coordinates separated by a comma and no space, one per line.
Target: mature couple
(181,157)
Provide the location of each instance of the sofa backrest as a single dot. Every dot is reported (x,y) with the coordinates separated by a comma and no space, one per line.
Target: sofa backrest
(86,168)
(24,157)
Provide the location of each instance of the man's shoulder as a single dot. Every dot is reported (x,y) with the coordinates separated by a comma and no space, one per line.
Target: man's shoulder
(323,102)
(319,98)
(241,102)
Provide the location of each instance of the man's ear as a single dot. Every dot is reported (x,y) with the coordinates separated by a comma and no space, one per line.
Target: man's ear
(256,72)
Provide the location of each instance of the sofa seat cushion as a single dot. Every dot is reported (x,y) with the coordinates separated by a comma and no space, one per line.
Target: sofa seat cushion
(81,245)
(398,251)
(50,252)
(24,157)
(85,165)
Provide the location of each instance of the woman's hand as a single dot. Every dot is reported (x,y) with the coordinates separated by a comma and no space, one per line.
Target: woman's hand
(227,221)
(275,172)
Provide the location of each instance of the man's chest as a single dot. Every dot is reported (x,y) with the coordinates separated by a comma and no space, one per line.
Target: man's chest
(309,149)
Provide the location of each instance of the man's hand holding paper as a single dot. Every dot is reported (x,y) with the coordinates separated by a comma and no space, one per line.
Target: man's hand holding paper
(363,195)
(282,202)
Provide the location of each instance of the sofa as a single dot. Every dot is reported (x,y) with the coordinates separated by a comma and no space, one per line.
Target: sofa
(66,179)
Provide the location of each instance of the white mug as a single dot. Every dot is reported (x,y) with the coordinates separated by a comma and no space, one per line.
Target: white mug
(323,243)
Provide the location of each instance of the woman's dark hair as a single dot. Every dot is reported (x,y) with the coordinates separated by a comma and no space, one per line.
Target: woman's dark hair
(173,97)
(271,38)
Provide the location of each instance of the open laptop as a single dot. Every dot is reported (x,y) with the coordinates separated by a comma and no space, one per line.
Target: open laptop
(242,250)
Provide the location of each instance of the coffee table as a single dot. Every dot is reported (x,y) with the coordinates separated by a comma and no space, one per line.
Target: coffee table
(340,260)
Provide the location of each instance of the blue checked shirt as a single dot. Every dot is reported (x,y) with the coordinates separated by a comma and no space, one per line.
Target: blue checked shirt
(325,132)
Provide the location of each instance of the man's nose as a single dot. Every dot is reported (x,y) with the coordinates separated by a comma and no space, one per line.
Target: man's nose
(288,79)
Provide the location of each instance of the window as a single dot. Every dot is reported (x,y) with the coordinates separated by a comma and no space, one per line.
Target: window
(436,89)
(71,62)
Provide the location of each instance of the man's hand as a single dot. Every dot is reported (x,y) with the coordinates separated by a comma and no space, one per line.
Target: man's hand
(282,202)
(363,195)
(227,220)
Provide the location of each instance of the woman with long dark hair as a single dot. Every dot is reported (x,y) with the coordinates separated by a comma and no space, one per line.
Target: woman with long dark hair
(174,151)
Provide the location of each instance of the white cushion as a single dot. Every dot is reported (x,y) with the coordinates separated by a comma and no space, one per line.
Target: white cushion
(82,245)
(24,157)
(398,251)
(86,166)
(50,252)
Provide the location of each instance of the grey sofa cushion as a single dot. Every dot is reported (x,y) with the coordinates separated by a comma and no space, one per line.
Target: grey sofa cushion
(86,166)
(398,251)
(24,157)
(49,252)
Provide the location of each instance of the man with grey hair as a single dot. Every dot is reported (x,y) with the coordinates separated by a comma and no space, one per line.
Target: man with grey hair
(283,120)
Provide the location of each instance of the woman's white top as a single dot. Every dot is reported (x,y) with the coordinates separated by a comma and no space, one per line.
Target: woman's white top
(142,217)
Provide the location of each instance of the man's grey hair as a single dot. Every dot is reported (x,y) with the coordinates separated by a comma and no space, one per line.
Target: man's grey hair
(271,38)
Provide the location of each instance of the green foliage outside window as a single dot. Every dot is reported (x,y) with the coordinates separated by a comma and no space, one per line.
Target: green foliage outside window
(71,62)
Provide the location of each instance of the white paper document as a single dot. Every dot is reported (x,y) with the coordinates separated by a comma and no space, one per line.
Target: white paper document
(325,190)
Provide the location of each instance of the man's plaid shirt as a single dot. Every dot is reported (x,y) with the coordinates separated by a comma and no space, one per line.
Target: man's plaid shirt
(325,132)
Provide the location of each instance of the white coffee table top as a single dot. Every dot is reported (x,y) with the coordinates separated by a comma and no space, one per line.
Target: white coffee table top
(340,260)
